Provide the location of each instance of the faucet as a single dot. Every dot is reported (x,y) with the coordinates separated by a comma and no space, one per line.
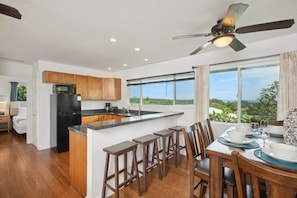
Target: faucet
(125,110)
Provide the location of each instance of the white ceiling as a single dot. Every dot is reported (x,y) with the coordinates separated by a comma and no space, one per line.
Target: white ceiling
(78,32)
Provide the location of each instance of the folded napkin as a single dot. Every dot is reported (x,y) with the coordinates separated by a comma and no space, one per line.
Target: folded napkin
(276,135)
(253,135)
(250,145)
(257,135)
(276,162)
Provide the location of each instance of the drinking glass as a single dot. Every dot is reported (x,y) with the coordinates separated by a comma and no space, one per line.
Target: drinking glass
(264,133)
(263,125)
(254,126)
(265,137)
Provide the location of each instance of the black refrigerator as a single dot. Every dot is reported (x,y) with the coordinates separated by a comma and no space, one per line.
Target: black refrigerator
(65,112)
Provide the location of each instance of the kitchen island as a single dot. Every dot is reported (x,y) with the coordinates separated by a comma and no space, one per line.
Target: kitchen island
(86,155)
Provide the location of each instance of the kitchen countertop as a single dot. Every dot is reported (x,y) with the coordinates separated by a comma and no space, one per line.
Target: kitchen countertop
(129,119)
(116,112)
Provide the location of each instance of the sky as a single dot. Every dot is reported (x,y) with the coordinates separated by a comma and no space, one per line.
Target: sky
(224,85)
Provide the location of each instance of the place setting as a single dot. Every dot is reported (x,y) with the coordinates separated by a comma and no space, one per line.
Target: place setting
(237,138)
(280,154)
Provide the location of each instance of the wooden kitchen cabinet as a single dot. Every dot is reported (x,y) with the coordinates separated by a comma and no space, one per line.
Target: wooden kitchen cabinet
(94,88)
(88,119)
(96,118)
(82,86)
(58,77)
(78,162)
(69,78)
(111,88)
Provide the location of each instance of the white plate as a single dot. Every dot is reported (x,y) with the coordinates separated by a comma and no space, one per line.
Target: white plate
(267,151)
(246,140)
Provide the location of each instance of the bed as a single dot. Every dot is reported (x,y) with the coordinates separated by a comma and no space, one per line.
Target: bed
(19,121)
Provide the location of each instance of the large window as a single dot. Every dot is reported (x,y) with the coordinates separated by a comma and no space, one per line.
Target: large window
(244,92)
(174,89)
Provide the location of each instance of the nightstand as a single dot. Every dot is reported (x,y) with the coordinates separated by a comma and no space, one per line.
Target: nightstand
(5,123)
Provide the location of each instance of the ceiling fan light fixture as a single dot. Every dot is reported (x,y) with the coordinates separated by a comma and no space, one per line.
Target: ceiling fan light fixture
(223,40)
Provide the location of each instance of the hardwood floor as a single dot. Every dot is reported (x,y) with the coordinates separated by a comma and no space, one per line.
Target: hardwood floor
(28,173)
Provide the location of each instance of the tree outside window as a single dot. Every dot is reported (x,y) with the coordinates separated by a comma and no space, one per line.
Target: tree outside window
(22,93)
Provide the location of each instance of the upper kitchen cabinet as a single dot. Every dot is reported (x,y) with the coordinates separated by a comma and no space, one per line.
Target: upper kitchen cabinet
(58,77)
(111,89)
(82,86)
(94,88)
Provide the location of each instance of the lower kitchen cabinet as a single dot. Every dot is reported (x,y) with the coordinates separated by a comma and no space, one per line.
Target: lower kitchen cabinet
(78,162)
(96,118)
(88,119)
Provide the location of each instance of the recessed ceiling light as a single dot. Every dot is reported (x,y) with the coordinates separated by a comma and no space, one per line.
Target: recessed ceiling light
(125,65)
(113,40)
(146,59)
(109,68)
(136,49)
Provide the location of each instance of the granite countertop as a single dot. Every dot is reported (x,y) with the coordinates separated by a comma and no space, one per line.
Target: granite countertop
(82,129)
(115,112)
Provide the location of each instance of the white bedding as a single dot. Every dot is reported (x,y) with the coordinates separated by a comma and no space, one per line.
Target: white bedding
(19,122)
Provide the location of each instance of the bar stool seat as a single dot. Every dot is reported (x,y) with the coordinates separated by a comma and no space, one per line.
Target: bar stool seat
(117,150)
(145,141)
(178,131)
(167,151)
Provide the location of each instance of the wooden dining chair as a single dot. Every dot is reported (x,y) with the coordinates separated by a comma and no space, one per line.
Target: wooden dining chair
(198,166)
(199,163)
(208,137)
(271,122)
(278,182)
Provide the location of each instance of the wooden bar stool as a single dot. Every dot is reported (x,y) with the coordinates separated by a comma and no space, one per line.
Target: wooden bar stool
(145,141)
(116,150)
(167,151)
(178,130)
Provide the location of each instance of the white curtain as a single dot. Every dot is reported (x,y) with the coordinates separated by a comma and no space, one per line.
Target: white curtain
(201,93)
(287,95)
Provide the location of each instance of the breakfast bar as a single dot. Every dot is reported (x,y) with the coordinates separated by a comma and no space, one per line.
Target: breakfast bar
(87,141)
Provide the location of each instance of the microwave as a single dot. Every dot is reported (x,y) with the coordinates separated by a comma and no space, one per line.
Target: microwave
(68,89)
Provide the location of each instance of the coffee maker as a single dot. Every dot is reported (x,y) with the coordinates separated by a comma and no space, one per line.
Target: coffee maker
(107,107)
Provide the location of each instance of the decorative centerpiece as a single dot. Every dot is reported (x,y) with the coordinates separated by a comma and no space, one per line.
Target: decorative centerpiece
(290,127)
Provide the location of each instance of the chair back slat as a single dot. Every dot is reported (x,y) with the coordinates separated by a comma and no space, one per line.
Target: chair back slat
(192,141)
(278,182)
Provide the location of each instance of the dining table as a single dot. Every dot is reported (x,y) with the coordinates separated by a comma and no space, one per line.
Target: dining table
(219,153)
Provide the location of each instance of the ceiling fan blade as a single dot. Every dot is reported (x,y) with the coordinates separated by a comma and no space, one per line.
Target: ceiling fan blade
(234,12)
(10,11)
(191,36)
(266,26)
(201,47)
(236,45)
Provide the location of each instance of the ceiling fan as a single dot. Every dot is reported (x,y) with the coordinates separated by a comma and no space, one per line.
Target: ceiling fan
(10,11)
(223,32)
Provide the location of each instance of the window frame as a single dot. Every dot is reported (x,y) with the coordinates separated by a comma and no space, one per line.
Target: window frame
(172,78)
(238,66)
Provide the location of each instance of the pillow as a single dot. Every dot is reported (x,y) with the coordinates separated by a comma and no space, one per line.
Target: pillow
(22,111)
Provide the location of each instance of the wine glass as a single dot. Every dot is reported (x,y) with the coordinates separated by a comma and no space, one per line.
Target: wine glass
(264,133)
(263,125)
(254,126)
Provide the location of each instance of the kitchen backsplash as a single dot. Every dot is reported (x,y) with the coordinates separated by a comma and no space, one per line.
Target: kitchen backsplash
(90,104)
